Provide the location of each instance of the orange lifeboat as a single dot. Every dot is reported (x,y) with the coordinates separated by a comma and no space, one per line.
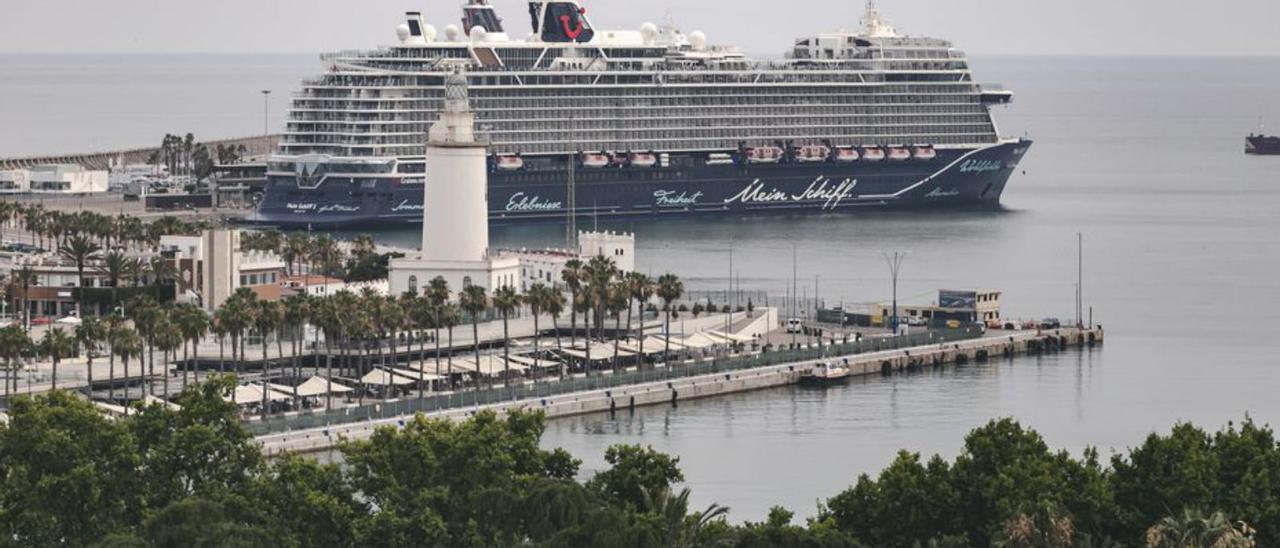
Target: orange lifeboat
(812,153)
(595,159)
(643,159)
(872,154)
(847,154)
(899,154)
(509,162)
(925,153)
(764,155)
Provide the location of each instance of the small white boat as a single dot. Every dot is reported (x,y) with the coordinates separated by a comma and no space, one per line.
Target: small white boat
(510,162)
(812,153)
(847,154)
(595,159)
(764,155)
(825,374)
(899,154)
(872,154)
(925,153)
(643,159)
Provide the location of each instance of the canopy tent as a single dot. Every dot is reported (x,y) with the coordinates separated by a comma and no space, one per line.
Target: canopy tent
(252,393)
(658,343)
(599,352)
(701,340)
(417,375)
(315,386)
(152,400)
(532,363)
(383,377)
(731,337)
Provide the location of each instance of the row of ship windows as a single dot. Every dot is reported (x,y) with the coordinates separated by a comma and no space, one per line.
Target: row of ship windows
(609,92)
(704,140)
(517,115)
(585,127)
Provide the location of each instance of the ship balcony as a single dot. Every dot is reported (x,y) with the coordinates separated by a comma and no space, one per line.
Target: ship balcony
(995,94)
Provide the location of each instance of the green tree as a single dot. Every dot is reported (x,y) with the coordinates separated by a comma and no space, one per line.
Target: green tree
(475,302)
(1194,529)
(89,334)
(79,249)
(56,345)
(506,301)
(670,289)
(634,473)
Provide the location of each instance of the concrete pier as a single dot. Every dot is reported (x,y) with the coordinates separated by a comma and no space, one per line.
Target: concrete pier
(667,392)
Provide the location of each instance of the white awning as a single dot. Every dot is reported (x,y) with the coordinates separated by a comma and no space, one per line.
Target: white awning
(151,400)
(731,337)
(699,340)
(315,386)
(599,352)
(382,377)
(531,363)
(252,393)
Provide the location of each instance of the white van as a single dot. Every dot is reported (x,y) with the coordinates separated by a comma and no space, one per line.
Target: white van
(794,325)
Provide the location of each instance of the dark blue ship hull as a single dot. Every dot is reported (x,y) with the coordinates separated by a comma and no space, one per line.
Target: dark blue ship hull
(956,178)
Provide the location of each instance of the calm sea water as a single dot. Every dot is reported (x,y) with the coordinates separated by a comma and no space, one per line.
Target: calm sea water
(1143,156)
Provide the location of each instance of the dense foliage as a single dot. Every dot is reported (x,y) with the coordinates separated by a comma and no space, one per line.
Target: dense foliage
(194,477)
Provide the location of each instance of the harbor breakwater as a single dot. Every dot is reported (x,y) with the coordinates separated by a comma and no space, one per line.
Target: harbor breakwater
(719,379)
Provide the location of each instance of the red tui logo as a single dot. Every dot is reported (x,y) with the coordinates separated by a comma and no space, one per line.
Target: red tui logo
(574,33)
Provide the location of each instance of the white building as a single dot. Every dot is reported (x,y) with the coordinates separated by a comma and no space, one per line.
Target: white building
(17,181)
(67,179)
(546,265)
(455,227)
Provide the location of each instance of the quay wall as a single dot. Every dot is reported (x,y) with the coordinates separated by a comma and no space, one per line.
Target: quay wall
(255,146)
(731,382)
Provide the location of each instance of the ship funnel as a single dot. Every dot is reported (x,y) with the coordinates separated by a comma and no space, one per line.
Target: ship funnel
(417,28)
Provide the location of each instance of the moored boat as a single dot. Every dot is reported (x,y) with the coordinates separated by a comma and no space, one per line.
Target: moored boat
(825,374)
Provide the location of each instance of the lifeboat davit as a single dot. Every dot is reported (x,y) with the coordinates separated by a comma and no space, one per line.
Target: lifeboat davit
(846,154)
(595,159)
(764,155)
(643,159)
(812,153)
(719,159)
(510,162)
(899,154)
(925,153)
(872,154)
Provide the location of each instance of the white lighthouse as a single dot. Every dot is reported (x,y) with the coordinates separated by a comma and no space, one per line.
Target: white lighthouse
(455,223)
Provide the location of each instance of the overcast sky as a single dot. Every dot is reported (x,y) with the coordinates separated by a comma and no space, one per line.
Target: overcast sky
(1090,27)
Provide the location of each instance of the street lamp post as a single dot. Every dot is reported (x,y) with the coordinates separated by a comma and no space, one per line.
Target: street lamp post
(266,112)
(895,266)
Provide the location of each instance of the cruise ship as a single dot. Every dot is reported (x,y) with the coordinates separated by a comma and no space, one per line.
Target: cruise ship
(654,121)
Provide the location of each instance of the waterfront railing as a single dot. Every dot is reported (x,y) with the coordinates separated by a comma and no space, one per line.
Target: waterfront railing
(537,392)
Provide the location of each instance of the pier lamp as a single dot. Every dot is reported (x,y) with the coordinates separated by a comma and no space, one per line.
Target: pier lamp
(895,266)
(266,112)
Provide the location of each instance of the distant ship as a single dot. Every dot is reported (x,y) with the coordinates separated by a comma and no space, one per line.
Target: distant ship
(1262,145)
(644,122)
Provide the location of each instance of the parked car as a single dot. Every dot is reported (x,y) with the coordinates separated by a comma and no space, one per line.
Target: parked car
(794,325)
(1050,323)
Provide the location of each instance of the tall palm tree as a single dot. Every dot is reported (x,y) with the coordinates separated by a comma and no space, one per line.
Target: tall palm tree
(236,317)
(114,266)
(537,297)
(88,334)
(670,289)
(424,316)
(267,316)
(474,301)
(325,254)
(449,318)
(325,316)
(14,345)
(26,277)
(146,315)
(125,343)
(619,301)
(437,295)
(297,312)
(642,289)
(56,345)
(79,249)
(295,250)
(555,307)
(193,322)
(506,301)
(168,338)
(600,271)
(572,275)
(163,271)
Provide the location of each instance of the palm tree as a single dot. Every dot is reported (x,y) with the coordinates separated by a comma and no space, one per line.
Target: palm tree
(506,301)
(449,318)
(437,295)
(79,249)
(295,250)
(555,307)
(236,317)
(162,272)
(1194,528)
(57,345)
(26,277)
(125,343)
(600,271)
(475,302)
(146,316)
(619,301)
(642,290)
(88,334)
(425,316)
(193,322)
(14,344)
(537,297)
(267,316)
(573,276)
(325,254)
(675,526)
(297,311)
(114,266)
(168,338)
(670,289)
(325,316)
